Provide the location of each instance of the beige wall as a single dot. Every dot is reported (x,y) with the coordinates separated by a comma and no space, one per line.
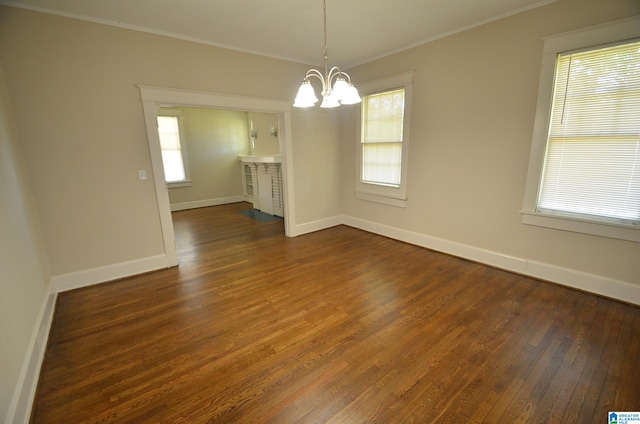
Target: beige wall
(24,271)
(473,109)
(214,139)
(317,154)
(72,85)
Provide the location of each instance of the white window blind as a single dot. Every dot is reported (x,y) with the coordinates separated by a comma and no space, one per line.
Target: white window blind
(382,133)
(592,162)
(169,133)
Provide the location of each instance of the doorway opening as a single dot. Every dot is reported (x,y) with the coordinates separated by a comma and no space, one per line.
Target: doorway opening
(154,98)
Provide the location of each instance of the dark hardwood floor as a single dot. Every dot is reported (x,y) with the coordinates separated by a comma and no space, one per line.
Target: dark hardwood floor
(337,326)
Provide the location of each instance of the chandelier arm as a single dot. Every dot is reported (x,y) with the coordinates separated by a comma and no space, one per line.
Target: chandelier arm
(333,74)
(336,70)
(344,74)
(317,74)
(314,73)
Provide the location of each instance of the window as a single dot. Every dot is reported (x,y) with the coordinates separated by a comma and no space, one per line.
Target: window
(589,167)
(172,147)
(592,164)
(383,141)
(382,119)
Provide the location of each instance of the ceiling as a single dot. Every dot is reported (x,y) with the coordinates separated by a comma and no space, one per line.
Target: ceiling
(358,30)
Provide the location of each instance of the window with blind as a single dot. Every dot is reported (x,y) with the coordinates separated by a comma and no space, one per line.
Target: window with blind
(584,173)
(383,140)
(172,148)
(592,164)
(383,118)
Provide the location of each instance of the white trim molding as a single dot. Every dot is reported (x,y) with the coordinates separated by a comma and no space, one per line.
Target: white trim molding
(207,202)
(89,277)
(472,253)
(597,284)
(321,224)
(25,390)
(615,31)
(153,98)
(600,285)
(378,193)
(578,225)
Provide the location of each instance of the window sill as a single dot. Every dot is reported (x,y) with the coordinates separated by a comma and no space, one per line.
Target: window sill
(620,231)
(380,198)
(179,184)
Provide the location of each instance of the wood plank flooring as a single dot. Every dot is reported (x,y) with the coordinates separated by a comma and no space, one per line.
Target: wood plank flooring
(337,326)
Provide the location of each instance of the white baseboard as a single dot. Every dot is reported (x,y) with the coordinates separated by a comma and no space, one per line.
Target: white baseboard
(25,390)
(603,286)
(93,276)
(207,202)
(24,394)
(321,224)
(488,257)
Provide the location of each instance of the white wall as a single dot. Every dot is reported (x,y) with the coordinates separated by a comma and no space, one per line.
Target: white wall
(473,110)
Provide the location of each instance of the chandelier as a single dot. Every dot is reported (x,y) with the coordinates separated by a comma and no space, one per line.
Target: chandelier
(342,92)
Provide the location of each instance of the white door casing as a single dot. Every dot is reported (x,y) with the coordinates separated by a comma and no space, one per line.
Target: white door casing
(155,97)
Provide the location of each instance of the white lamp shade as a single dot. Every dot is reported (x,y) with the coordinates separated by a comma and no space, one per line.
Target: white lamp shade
(306,97)
(329,101)
(340,89)
(351,96)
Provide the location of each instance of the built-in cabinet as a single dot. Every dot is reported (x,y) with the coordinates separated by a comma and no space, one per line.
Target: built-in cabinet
(247,181)
(262,183)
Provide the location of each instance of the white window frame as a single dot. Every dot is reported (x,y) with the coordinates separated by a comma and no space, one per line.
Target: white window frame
(177,113)
(393,196)
(613,32)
